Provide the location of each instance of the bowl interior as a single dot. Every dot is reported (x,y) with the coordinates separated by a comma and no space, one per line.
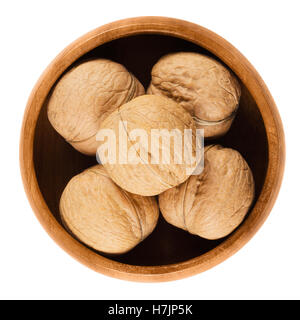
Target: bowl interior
(56,162)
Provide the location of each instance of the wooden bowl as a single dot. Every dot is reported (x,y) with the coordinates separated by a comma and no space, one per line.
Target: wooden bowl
(48,162)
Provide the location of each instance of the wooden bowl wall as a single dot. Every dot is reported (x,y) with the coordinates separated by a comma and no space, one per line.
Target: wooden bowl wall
(48,162)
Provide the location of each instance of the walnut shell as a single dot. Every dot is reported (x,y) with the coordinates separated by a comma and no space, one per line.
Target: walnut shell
(103,216)
(85,95)
(212,204)
(201,85)
(145,177)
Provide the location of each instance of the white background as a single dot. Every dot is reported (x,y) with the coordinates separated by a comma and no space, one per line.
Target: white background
(32,266)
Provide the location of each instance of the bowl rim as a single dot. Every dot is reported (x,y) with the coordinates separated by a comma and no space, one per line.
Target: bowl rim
(245,72)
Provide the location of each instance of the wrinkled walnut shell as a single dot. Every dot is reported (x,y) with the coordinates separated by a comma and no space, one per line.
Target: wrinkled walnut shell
(103,216)
(212,204)
(87,94)
(200,84)
(149,112)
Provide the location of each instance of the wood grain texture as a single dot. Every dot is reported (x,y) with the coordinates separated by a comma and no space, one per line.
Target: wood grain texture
(48,162)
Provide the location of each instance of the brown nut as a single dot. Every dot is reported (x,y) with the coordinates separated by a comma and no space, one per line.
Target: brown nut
(85,95)
(201,85)
(103,216)
(212,204)
(144,171)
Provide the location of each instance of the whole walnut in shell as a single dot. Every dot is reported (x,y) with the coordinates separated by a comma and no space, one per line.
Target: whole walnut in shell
(212,204)
(201,85)
(103,216)
(142,170)
(85,95)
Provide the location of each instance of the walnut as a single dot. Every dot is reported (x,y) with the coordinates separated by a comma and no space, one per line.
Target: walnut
(85,95)
(212,204)
(103,216)
(146,173)
(201,85)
